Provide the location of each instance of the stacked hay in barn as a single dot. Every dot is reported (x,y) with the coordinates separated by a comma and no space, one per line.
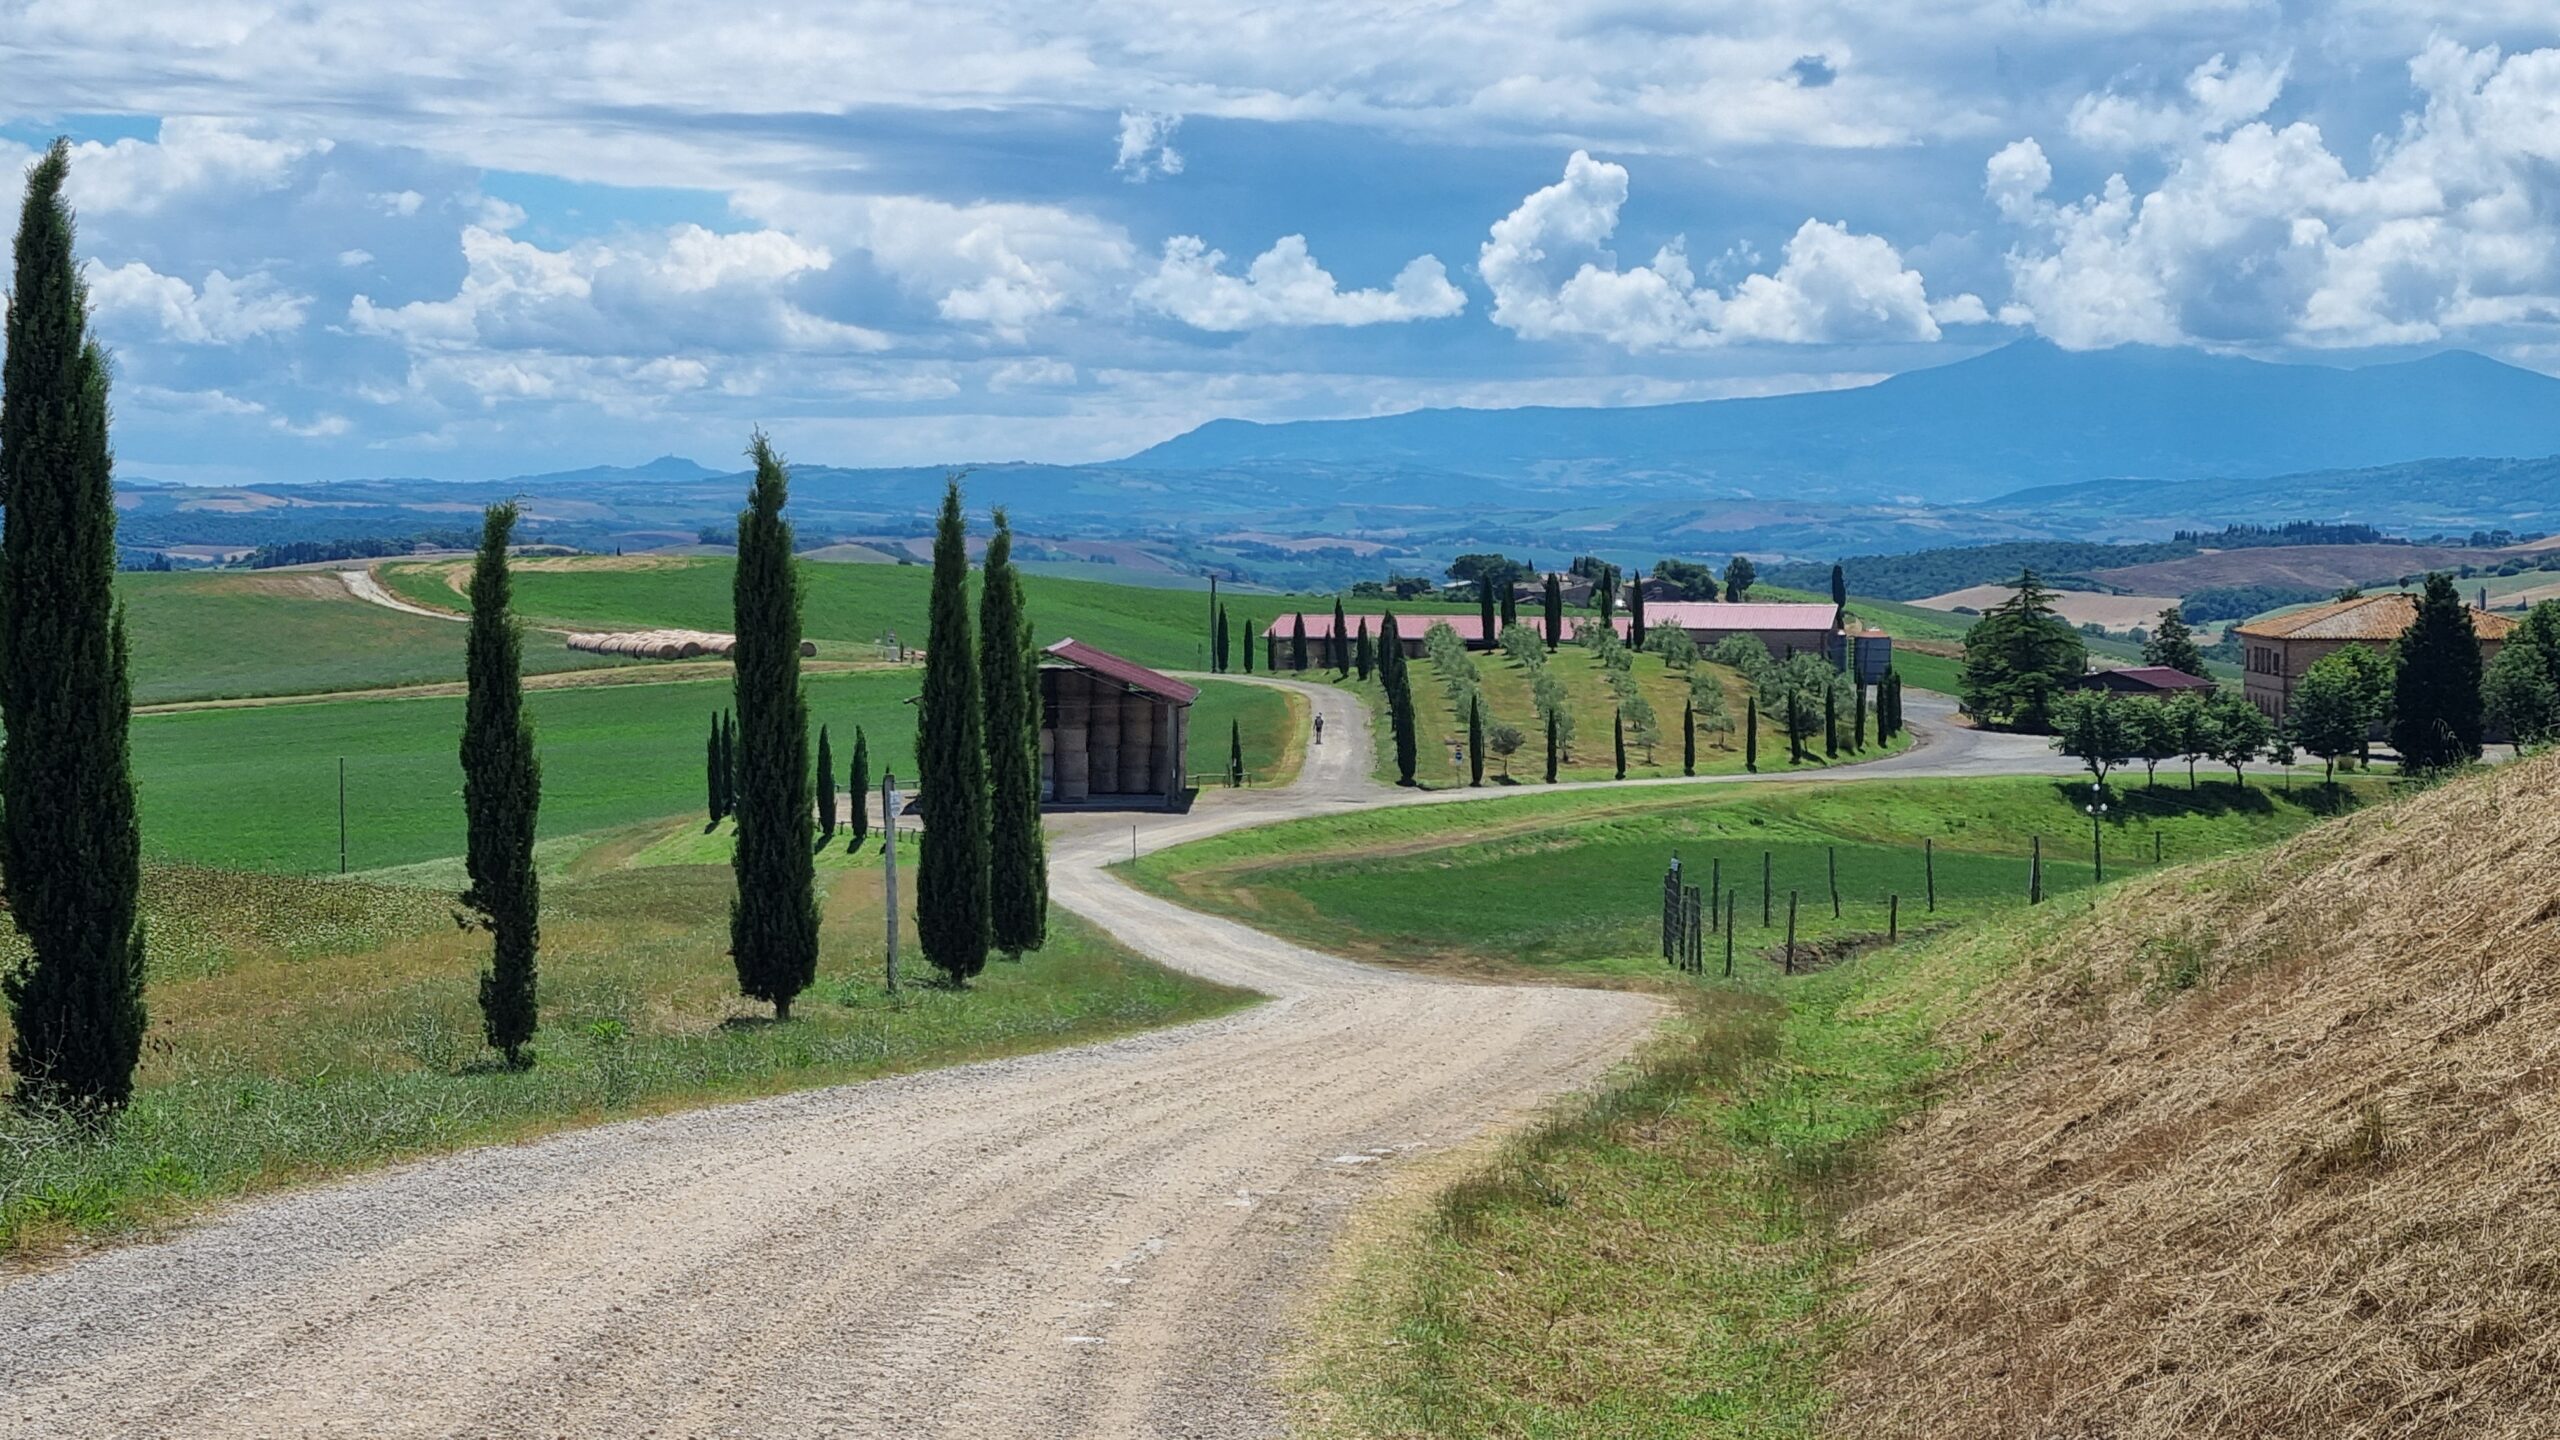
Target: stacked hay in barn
(663,644)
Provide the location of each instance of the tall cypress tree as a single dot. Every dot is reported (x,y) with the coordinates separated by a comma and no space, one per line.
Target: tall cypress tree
(1555,613)
(859,781)
(70,847)
(952,894)
(1248,654)
(715,794)
(1399,688)
(1510,604)
(1298,640)
(1475,740)
(1688,739)
(1635,614)
(826,790)
(1618,724)
(1751,735)
(773,921)
(1858,732)
(1223,650)
(1484,607)
(1337,646)
(1551,747)
(1017,852)
(1364,653)
(1830,722)
(728,763)
(1235,753)
(1840,602)
(501,795)
(2436,717)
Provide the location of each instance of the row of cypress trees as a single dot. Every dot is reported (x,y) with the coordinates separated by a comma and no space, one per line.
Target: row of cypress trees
(982,877)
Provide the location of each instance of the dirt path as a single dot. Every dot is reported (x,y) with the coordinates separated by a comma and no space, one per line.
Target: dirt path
(1093,1242)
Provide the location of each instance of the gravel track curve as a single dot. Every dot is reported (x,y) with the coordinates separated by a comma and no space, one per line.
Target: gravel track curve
(1101,1241)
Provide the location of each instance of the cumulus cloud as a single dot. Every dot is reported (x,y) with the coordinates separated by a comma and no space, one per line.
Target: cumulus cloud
(1146,146)
(135,299)
(2217,95)
(1831,284)
(2262,234)
(686,288)
(1285,286)
(192,157)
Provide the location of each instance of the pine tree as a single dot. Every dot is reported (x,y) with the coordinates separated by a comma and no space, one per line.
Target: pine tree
(1017,852)
(1364,655)
(2436,675)
(1235,753)
(1298,641)
(501,795)
(1475,740)
(70,847)
(952,894)
(1555,613)
(773,920)
(1484,606)
(2174,645)
(1688,739)
(1751,735)
(1338,644)
(1551,747)
(826,790)
(859,782)
(1618,725)
(1399,688)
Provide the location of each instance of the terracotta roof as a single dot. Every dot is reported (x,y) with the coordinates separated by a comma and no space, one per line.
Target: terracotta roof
(2367,617)
(1739,615)
(1126,672)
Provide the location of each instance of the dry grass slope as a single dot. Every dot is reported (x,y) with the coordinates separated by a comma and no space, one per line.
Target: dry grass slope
(2269,1148)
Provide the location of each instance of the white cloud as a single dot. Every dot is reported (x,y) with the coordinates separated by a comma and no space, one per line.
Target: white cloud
(1146,146)
(1830,285)
(1037,373)
(400,203)
(687,288)
(2218,95)
(2264,235)
(224,312)
(191,157)
(1285,286)
(355,259)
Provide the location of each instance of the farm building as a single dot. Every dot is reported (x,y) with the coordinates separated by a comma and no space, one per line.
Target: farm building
(1112,731)
(2277,650)
(2157,682)
(1786,627)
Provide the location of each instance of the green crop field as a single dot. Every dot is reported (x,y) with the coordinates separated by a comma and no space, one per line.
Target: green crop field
(848,608)
(214,636)
(1573,880)
(257,788)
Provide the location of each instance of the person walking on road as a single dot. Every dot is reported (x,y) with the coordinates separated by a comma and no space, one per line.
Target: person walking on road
(1319,729)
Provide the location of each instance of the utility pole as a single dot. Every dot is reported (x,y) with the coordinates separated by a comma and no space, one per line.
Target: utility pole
(889,865)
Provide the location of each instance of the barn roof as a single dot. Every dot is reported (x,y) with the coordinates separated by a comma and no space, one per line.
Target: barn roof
(2146,677)
(2367,617)
(1130,673)
(1739,614)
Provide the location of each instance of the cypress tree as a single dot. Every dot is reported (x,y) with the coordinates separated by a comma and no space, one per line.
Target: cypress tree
(1337,646)
(1298,641)
(1689,739)
(1248,654)
(1618,726)
(1795,728)
(1858,733)
(1551,747)
(1017,852)
(1604,588)
(859,820)
(1635,615)
(773,920)
(1235,753)
(826,790)
(1484,606)
(1830,722)
(501,794)
(1364,654)
(728,763)
(2436,717)
(715,794)
(1475,741)
(952,895)
(1555,613)
(1840,602)
(1751,734)
(1510,604)
(1399,687)
(1223,651)
(70,847)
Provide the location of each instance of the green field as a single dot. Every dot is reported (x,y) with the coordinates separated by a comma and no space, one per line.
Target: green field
(1573,881)
(217,636)
(256,788)
(303,1027)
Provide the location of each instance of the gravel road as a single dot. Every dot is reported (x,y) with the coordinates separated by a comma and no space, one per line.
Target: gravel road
(1094,1242)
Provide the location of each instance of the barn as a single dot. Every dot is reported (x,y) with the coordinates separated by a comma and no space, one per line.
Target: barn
(1112,731)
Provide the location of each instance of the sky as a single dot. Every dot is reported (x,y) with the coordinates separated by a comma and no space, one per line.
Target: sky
(360,238)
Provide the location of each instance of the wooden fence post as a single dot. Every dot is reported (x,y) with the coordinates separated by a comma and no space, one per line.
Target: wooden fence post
(2035,870)
(1731,899)
(1791,932)
(1893,919)
(1764,889)
(1831,863)
(1929,858)
(1715,889)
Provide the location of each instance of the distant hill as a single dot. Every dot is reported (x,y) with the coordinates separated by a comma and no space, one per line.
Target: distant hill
(2417,497)
(2026,414)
